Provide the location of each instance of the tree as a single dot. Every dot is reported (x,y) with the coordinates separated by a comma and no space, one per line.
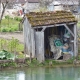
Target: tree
(4,4)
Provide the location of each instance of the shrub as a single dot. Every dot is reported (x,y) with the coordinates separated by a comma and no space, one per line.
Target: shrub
(11,45)
(4,29)
(7,17)
(9,29)
(17,18)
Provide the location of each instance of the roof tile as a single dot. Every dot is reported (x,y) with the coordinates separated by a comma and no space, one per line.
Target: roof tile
(50,18)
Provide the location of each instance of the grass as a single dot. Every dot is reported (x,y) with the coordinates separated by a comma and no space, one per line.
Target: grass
(50,63)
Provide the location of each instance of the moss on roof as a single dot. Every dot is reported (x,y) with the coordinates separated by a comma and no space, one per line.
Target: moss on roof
(50,18)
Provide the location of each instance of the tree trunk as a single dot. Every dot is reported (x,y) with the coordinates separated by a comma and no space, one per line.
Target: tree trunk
(4,7)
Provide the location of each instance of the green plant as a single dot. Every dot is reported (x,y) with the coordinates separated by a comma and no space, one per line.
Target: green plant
(17,18)
(12,45)
(9,29)
(4,29)
(8,64)
(33,63)
(70,61)
(6,55)
(21,55)
(3,44)
(9,25)
(7,17)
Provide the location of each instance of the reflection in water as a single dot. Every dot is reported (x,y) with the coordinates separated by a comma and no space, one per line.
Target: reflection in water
(20,76)
(58,73)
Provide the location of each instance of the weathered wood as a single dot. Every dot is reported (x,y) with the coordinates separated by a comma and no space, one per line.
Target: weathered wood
(43,29)
(53,25)
(69,30)
(27,36)
(34,40)
(75,41)
(40,46)
(32,43)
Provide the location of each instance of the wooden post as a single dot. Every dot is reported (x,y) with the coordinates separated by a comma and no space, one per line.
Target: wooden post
(39,36)
(25,50)
(30,57)
(75,41)
(69,30)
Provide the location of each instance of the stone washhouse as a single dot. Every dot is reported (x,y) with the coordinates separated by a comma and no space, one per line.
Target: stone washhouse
(45,34)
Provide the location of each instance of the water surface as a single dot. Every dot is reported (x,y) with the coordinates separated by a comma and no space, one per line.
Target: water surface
(58,73)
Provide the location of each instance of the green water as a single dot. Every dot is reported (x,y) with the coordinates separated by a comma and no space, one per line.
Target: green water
(58,73)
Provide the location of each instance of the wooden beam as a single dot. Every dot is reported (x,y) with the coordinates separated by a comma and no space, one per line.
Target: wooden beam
(69,30)
(48,26)
(43,29)
(75,41)
(54,25)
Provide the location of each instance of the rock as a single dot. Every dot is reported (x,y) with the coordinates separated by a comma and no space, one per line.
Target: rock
(66,56)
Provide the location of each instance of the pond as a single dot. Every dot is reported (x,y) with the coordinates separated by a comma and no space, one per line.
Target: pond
(58,73)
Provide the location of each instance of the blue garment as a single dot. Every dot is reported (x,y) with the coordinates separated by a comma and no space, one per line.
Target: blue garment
(65,50)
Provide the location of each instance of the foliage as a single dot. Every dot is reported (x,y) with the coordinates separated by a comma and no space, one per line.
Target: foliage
(9,29)
(49,63)
(12,45)
(9,25)
(20,55)
(33,63)
(78,24)
(7,17)
(8,64)
(70,61)
(6,55)
(78,57)
(17,18)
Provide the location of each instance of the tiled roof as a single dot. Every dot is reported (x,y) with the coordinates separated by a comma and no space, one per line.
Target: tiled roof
(50,18)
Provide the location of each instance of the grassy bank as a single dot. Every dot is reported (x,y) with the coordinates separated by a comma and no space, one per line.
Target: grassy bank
(35,63)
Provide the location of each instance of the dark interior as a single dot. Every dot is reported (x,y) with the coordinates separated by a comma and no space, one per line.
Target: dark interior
(59,31)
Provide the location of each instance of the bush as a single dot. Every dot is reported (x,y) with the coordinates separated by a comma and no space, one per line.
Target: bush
(10,25)
(9,29)
(7,17)
(17,18)
(4,29)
